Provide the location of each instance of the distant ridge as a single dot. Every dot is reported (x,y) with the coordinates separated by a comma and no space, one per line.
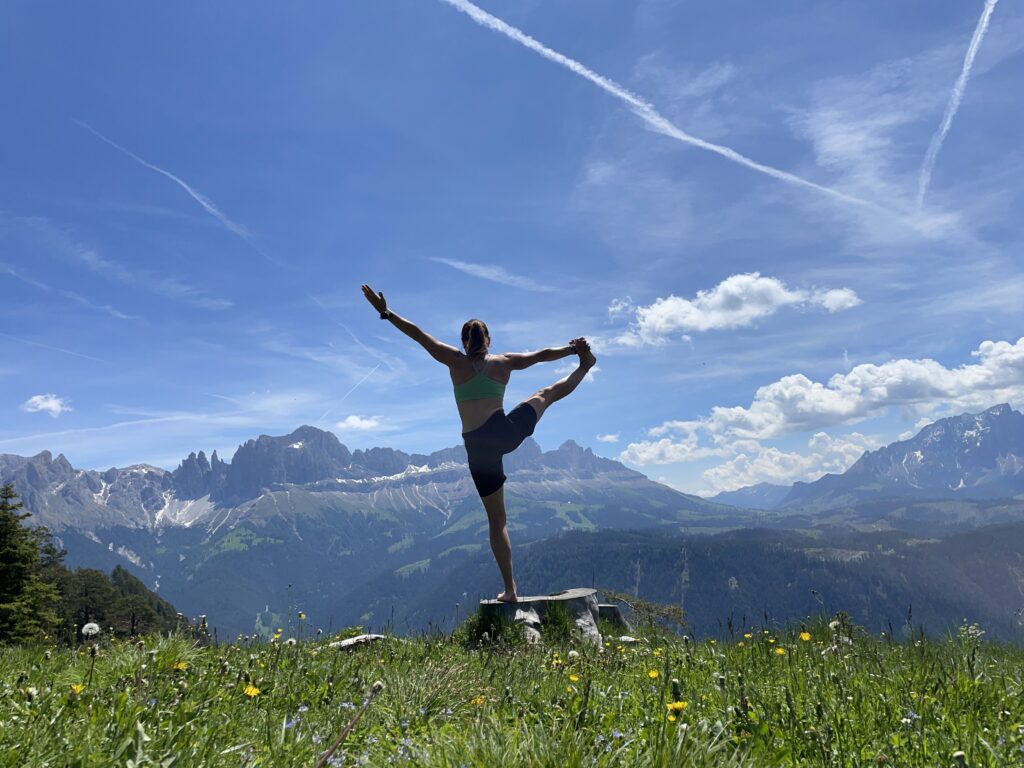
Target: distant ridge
(973,456)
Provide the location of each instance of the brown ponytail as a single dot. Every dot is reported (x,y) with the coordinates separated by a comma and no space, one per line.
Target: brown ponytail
(474,337)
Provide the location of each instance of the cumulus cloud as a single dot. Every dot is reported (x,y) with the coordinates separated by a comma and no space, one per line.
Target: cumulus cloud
(770,465)
(49,403)
(798,404)
(358,423)
(736,302)
(795,403)
(608,438)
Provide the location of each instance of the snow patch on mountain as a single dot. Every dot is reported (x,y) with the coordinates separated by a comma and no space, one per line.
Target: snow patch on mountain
(183,512)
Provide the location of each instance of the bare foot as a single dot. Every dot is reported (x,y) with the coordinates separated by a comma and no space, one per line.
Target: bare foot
(508,596)
(587,359)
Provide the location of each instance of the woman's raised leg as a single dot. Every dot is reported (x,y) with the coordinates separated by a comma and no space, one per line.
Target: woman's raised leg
(501,545)
(552,393)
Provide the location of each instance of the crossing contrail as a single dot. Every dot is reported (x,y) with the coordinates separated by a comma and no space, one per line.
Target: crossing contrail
(955,98)
(207,204)
(643,109)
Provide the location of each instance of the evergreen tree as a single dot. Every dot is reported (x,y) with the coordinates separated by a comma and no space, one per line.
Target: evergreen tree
(27,602)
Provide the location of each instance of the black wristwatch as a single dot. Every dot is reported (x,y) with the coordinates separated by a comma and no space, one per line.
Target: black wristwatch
(385,315)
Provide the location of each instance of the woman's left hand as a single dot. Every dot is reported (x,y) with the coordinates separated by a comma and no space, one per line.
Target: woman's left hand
(376,299)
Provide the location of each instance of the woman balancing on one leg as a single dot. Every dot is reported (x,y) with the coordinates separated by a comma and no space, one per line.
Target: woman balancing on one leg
(488,432)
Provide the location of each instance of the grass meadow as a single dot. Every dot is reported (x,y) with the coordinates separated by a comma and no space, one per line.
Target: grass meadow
(815,695)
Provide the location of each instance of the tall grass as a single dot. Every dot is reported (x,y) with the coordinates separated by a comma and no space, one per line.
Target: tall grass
(818,695)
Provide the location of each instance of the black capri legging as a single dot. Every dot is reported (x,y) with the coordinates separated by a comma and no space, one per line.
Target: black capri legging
(502,433)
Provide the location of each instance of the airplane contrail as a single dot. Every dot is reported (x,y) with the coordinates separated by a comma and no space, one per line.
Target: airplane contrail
(53,349)
(643,109)
(207,204)
(350,391)
(955,98)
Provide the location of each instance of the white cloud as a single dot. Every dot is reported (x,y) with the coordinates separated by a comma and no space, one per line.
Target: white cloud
(608,438)
(50,404)
(770,465)
(837,299)
(619,307)
(797,404)
(736,302)
(358,423)
(668,451)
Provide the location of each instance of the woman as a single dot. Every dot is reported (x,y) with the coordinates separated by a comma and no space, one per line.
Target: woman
(488,432)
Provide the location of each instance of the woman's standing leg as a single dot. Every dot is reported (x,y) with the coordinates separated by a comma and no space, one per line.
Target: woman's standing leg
(501,545)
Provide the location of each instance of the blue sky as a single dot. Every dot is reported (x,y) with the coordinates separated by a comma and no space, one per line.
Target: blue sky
(192,194)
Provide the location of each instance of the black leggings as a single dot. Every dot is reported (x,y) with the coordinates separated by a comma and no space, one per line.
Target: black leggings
(502,433)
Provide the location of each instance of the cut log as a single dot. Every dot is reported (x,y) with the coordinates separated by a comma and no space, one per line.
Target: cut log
(580,604)
(355,642)
(611,612)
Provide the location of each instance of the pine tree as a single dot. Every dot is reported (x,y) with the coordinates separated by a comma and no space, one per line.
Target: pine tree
(27,602)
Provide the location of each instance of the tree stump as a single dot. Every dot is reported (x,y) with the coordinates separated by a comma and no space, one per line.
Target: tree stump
(580,604)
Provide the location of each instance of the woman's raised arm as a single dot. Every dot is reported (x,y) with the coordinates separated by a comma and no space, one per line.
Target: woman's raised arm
(517,361)
(443,353)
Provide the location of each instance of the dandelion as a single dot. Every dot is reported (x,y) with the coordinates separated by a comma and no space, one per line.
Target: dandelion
(77,688)
(568,689)
(574,654)
(671,718)
(653,674)
(180,666)
(712,642)
(740,644)
(302,616)
(91,629)
(780,651)
(290,641)
(251,691)
(747,635)
(805,636)
(479,701)
(677,706)
(574,678)
(771,641)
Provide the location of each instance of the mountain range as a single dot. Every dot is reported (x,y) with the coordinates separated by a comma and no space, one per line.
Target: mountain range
(300,522)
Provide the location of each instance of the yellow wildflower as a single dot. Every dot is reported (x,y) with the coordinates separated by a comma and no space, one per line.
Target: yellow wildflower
(712,642)
(747,635)
(251,691)
(671,718)
(780,651)
(771,640)
(180,666)
(479,701)
(805,636)
(568,689)
(574,678)
(653,674)
(677,706)
(77,688)
(302,616)
(741,644)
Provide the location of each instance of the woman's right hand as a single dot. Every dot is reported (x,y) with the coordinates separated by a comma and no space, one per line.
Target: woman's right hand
(376,299)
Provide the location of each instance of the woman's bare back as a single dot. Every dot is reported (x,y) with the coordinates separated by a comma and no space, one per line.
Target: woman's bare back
(475,412)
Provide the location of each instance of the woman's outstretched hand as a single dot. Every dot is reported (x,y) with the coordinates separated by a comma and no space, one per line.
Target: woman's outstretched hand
(376,299)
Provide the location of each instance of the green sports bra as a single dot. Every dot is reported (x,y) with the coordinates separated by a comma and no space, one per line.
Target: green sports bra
(480,387)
